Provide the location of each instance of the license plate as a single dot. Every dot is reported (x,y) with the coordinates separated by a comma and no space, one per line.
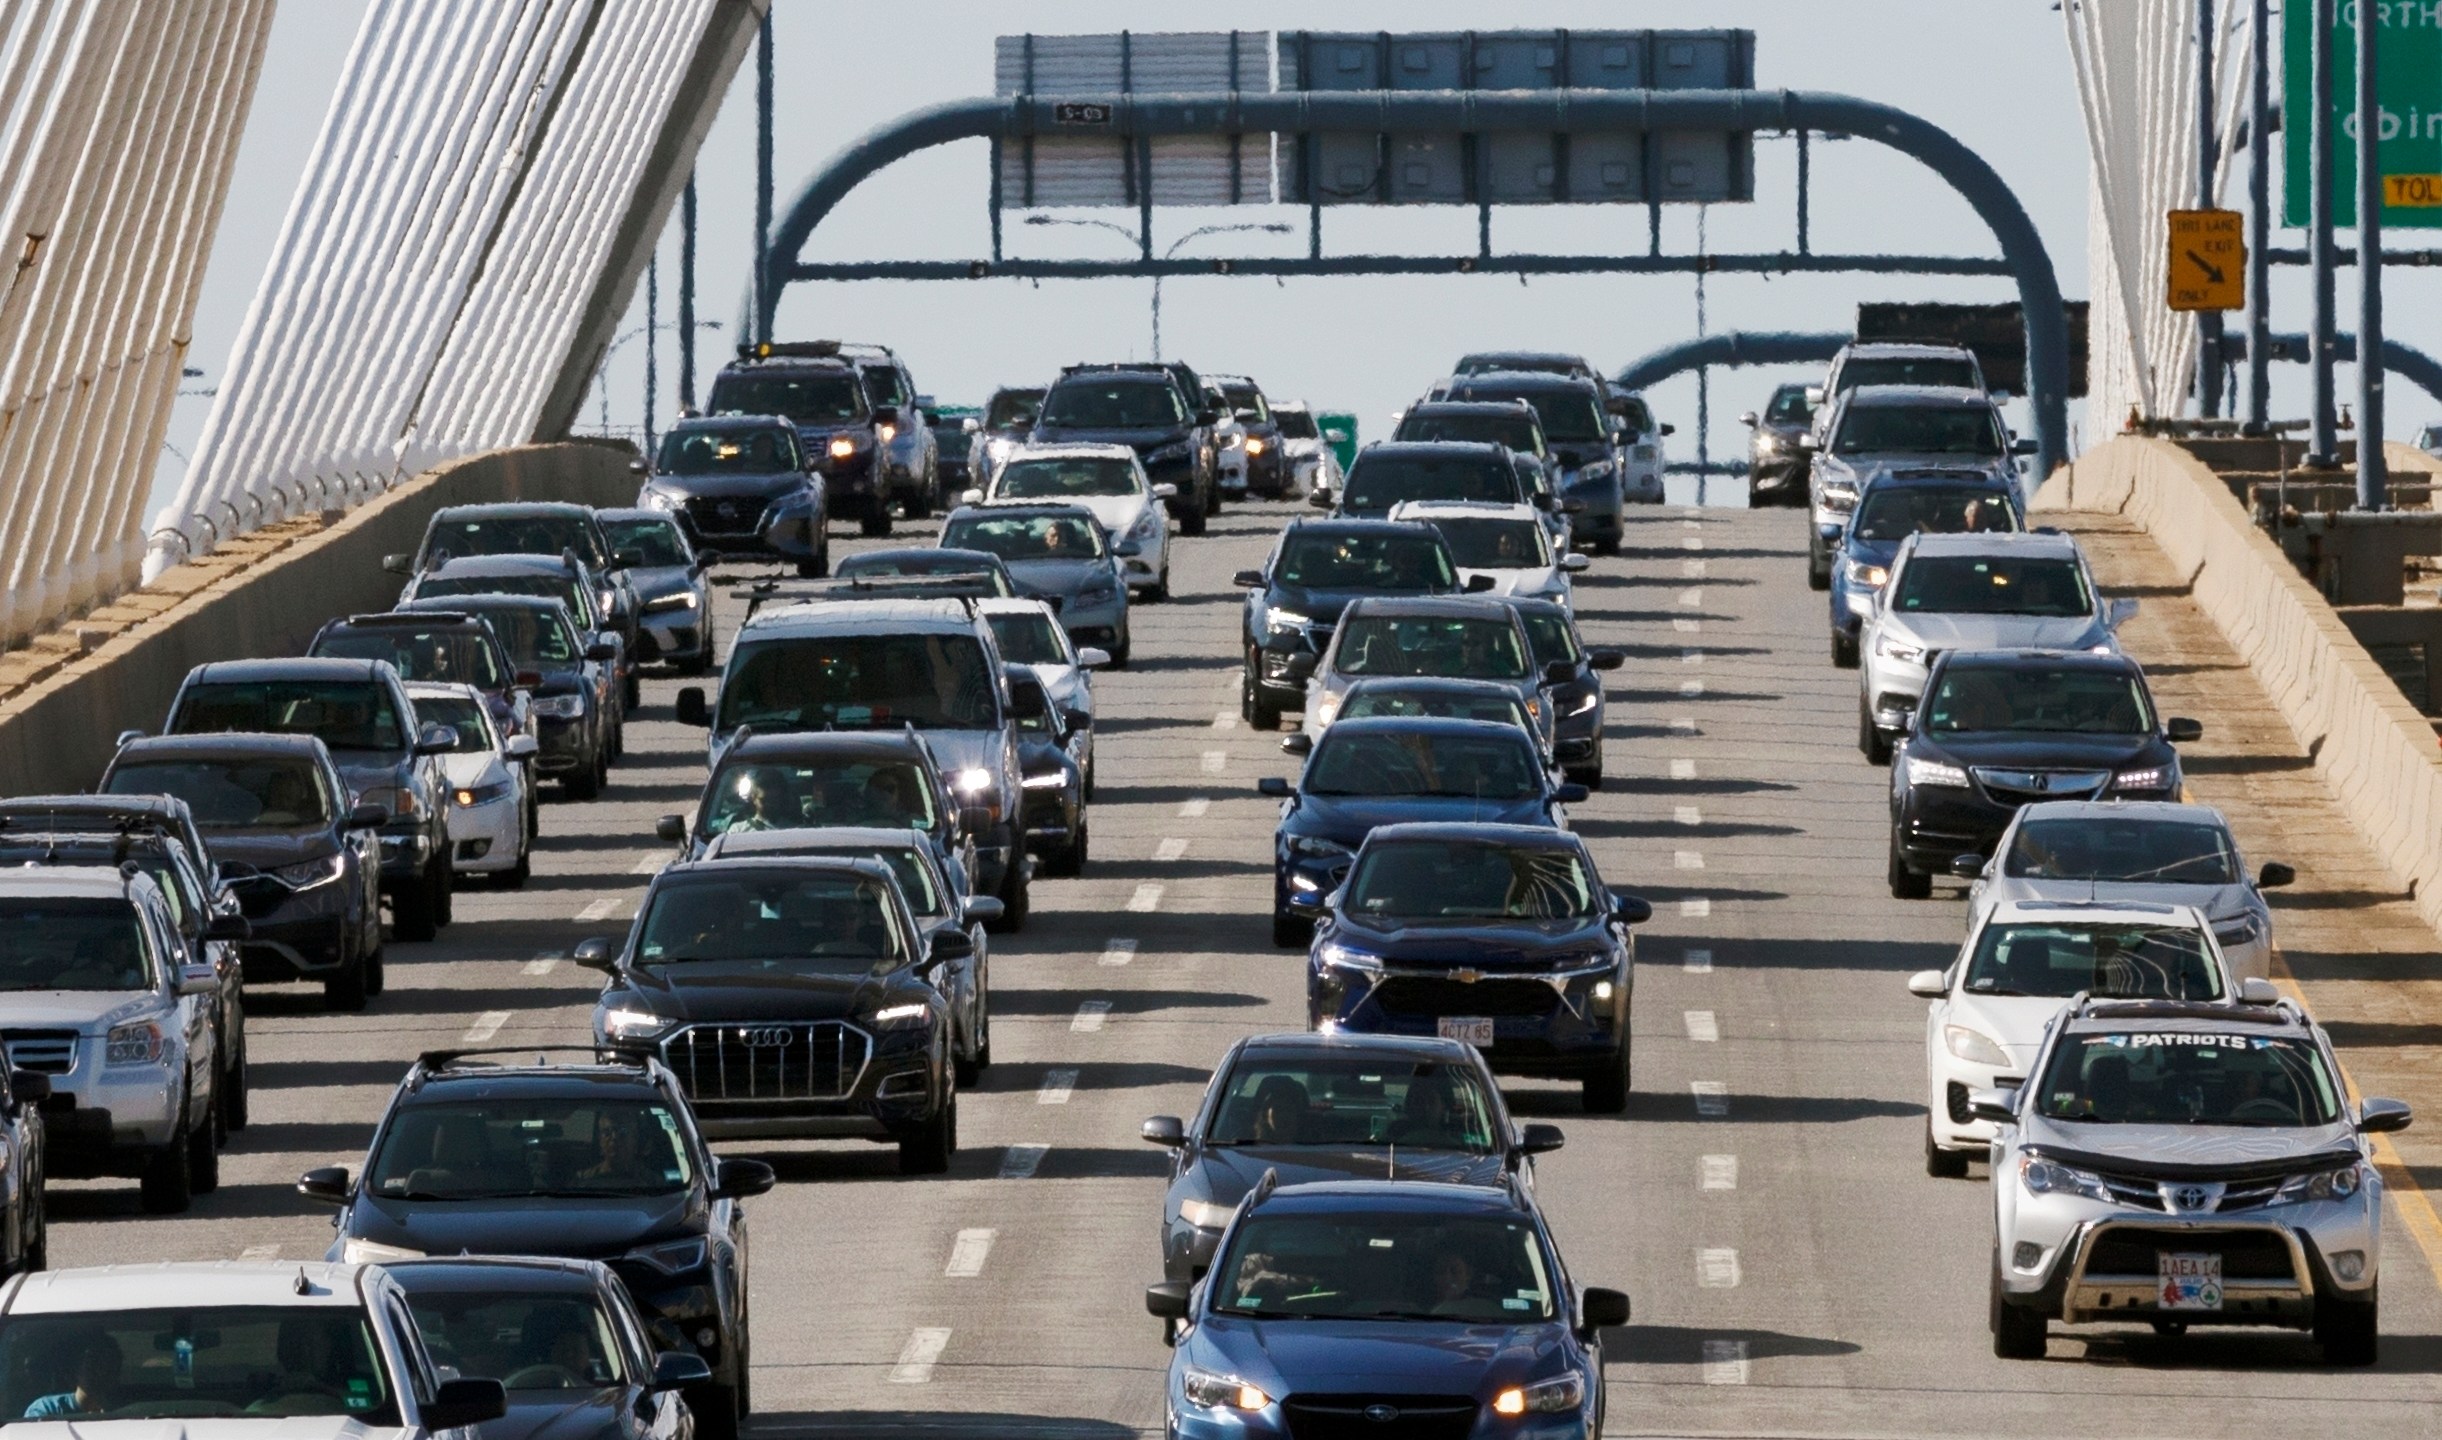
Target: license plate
(2190,1282)
(1474,1029)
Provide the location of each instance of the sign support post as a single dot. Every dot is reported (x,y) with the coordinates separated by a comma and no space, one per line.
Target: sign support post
(2324,447)
(2259,219)
(2373,484)
(2208,322)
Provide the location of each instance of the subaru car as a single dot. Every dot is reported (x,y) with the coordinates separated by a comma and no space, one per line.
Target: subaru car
(812,386)
(1501,550)
(1466,637)
(743,488)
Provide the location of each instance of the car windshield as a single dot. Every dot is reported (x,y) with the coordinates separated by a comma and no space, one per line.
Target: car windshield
(1058,479)
(2188,1077)
(1404,563)
(1246,402)
(882,385)
(1918,430)
(524,1340)
(1457,646)
(2101,847)
(1517,431)
(1566,415)
(1554,639)
(196,1362)
(346,714)
(803,924)
(71,943)
(461,713)
(1148,403)
(1490,766)
(1895,512)
(914,876)
(1296,425)
(799,795)
(1013,410)
(535,639)
(819,397)
(1483,543)
(1993,585)
(2066,700)
(2138,962)
(1501,707)
(1952,372)
(561,586)
(727,451)
(1348,1100)
(1394,1265)
(548,533)
(505,1146)
(445,657)
(930,681)
(1027,537)
(1465,879)
(231,794)
(1789,407)
(656,542)
(1029,638)
(1378,480)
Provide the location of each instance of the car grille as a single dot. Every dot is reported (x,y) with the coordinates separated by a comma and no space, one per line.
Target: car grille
(725,515)
(1433,995)
(2246,1254)
(2022,787)
(2145,1192)
(788,1060)
(46,1052)
(258,896)
(1392,1417)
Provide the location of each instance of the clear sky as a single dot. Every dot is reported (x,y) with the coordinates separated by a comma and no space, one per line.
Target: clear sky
(1994,72)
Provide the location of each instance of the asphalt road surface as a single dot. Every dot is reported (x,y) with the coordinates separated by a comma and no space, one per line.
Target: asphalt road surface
(1763,1201)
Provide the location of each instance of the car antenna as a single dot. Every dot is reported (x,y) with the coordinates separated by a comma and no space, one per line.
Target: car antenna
(302,1285)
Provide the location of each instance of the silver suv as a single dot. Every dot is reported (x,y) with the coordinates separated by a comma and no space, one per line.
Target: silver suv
(2179,1164)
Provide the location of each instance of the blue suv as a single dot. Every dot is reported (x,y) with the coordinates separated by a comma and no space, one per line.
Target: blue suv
(1895,504)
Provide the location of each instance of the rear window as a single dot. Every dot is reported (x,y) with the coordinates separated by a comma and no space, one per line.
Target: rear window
(345,714)
(263,794)
(930,681)
(1518,432)
(513,535)
(1378,480)
(1461,647)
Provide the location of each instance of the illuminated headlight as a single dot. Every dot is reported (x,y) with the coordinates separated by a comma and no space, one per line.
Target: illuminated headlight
(661,500)
(1205,1215)
(559,707)
(842,447)
(1973,1046)
(1209,1391)
(1839,495)
(306,874)
(625,1024)
(1282,622)
(1327,710)
(2337,1184)
(1587,702)
(1602,990)
(683,600)
(1870,576)
(2050,1177)
(366,1252)
(1317,846)
(676,1257)
(472,795)
(972,781)
(1254,445)
(1765,444)
(2152,777)
(887,431)
(899,1017)
(1900,650)
(1935,772)
(996,448)
(1048,780)
(138,1043)
(1547,1397)
(1340,957)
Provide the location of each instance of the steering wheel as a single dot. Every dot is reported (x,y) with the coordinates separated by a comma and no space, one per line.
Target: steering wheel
(2264,1107)
(542,1377)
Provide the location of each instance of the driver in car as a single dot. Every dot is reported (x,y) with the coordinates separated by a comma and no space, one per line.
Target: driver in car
(97,1384)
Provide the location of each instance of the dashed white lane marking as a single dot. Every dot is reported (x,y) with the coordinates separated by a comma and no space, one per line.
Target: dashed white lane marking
(1720,1172)
(1194,807)
(1020,1162)
(486,1026)
(1693,512)
(1691,657)
(1147,898)
(1687,859)
(1692,542)
(598,910)
(968,1252)
(259,1252)
(1215,761)
(1725,1362)
(1691,599)
(1058,1085)
(916,1358)
(1691,522)
(1682,769)
(1691,688)
(1170,849)
(1696,907)
(1090,1016)
(1691,570)
(648,865)
(1702,1027)
(1225,720)
(1712,1098)
(1118,952)
(1684,724)
(542,964)
(1685,626)
(1717,1269)
(1687,814)
(1699,962)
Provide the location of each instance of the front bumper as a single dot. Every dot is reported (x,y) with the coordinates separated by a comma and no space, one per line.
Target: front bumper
(488,837)
(1605,501)
(2090,1262)
(1285,661)
(405,853)
(1951,1079)
(1934,824)
(561,745)
(1141,562)
(297,934)
(1094,622)
(1554,1027)
(1891,687)
(676,637)
(103,1120)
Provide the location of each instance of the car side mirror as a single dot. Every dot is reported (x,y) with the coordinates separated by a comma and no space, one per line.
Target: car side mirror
(739,1179)
(1540,1139)
(1669,429)
(983,910)
(1208,417)
(2256,990)
(230,928)
(521,747)
(127,738)
(399,563)
(970,497)
(329,1184)
(1570,793)
(1630,909)
(1319,497)
(1559,672)
(1078,719)
(1814,396)
(2179,731)
(602,652)
(459,1403)
(1928,985)
(1967,867)
(436,740)
(1478,585)
(199,979)
(2274,875)
(1575,563)
(948,945)
(1998,1106)
(1093,657)
(1026,702)
(1274,786)
(1606,659)
(885,414)
(1167,1301)
(1297,742)
(368,817)
(2380,1117)
(599,953)
(2119,612)
(1165,491)
(29,1087)
(692,708)
(675,1368)
(1747,418)
(1809,443)
(970,426)
(2022,447)
(1600,1309)
(1164,1130)
(1248,580)
(672,828)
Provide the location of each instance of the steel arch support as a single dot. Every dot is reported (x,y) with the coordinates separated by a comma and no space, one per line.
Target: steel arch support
(1733,348)
(2405,361)
(1419,111)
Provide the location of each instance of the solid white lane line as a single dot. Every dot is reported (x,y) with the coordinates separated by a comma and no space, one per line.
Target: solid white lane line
(1691,687)
(1682,769)
(542,964)
(1699,962)
(1684,724)
(1118,952)
(1215,761)
(1725,1362)
(1720,1173)
(1148,898)
(1702,1027)
(1717,1269)
(916,1358)
(1712,1098)
(1194,808)
(1019,1162)
(1691,570)
(1225,720)
(968,1252)
(1058,1085)
(486,1026)
(1170,849)
(1696,907)
(259,1252)
(648,864)
(1687,814)
(1090,1016)
(1691,599)
(1687,859)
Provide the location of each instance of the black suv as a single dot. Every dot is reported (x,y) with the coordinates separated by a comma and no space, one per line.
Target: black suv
(794,998)
(443,647)
(588,1161)
(1157,410)
(741,486)
(822,393)
(1295,600)
(1998,729)
(567,674)
(532,527)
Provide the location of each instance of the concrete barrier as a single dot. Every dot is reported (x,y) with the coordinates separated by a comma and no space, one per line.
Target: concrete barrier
(264,598)
(2370,745)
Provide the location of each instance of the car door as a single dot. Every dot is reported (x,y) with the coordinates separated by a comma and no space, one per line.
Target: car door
(194,1012)
(649,1414)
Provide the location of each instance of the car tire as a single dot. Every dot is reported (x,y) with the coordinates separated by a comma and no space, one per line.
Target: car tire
(1607,1093)
(167,1187)
(1261,714)
(1290,932)
(1016,897)
(1943,1164)
(1844,651)
(203,1154)
(1871,742)
(377,973)
(235,1107)
(717,1412)
(1608,545)
(2348,1330)
(929,1150)
(1160,593)
(584,782)
(345,992)
(1192,519)
(632,690)
(1121,651)
(2019,1332)
(1907,883)
(1590,774)
(444,890)
(37,1250)
(874,525)
(516,876)
(1818,569)
(810,568)
(415,912)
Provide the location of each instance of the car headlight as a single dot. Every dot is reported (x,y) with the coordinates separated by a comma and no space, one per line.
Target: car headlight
(675,1257)
(1973,1046)
(1147,526)
(1283,622)
(2050,1177)
(353,1251)
(1340,957)
(1221,1392)
(1097,592)
(1254,445)
(1047,780)
(972,781)
(559,707)
(1327,710)
(1588,701)
(1648,452)
(1870,576)
(1766,443)
(139,1042)
(2244,930)
(472,795)
(660,500)
(1900,650)
(1317,846)
(683,600)
(1176,450)
(841,447)
(622,1023)
(306,874)
(1599,470)
(1839,495)
(1205,1215)
(1545,1397)
(900,1017)
(1935,772)
(2337,1184)
(2152,777)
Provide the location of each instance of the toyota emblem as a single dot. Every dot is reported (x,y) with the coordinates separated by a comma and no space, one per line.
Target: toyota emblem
(2192,1197)
(768,1037)
(1382,1414)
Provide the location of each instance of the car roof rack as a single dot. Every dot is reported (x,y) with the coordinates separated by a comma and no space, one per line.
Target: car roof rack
(503,1056)
(2089,1006)
(964,588)
(812,350)
(404,619)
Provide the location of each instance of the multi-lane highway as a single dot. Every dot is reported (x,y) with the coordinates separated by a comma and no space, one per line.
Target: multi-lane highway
(1794,1272)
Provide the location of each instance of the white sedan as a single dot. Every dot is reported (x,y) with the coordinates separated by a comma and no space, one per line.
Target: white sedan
(492,813)
(1029,634)
(1108,480)
(1506,544)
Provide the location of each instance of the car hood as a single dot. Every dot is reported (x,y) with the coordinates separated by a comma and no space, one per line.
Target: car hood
(1872,552)
(1142,438)
(268,849)
(654,581)
(2191,1151)
(75,1007)
(470,769)
(1999,632)
(2218,902)
(723,990)
(719,487)
(583,1229)
(2016,1021)
(1431,1356)
(371,770)
(1056,577)
(1230,1171)
(2047,750)
(1484,944)
(294,1427)
(1538,580)
(1114,513)
(1349,819)
(560,1415)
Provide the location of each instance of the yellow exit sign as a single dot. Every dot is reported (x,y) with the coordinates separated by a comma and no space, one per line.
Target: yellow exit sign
(2208,260)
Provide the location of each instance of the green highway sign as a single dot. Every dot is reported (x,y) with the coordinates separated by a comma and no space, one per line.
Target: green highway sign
(2410,83)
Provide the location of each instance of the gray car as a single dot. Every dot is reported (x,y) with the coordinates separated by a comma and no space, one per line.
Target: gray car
(1460,636)
(2180,1164)
(1776,466)
(2153,851)
(1058,554)
(1905,429)
(675,603)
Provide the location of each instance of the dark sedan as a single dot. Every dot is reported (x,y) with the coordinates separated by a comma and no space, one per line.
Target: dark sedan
(1577,702)
(1333,1107)
(1776,463)
(2001,728)
(674,599)
(549,528)
(743,487)
(1295,600)
(929,561)
(571,676)
(565,578)
(1390,471)
(440,647)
